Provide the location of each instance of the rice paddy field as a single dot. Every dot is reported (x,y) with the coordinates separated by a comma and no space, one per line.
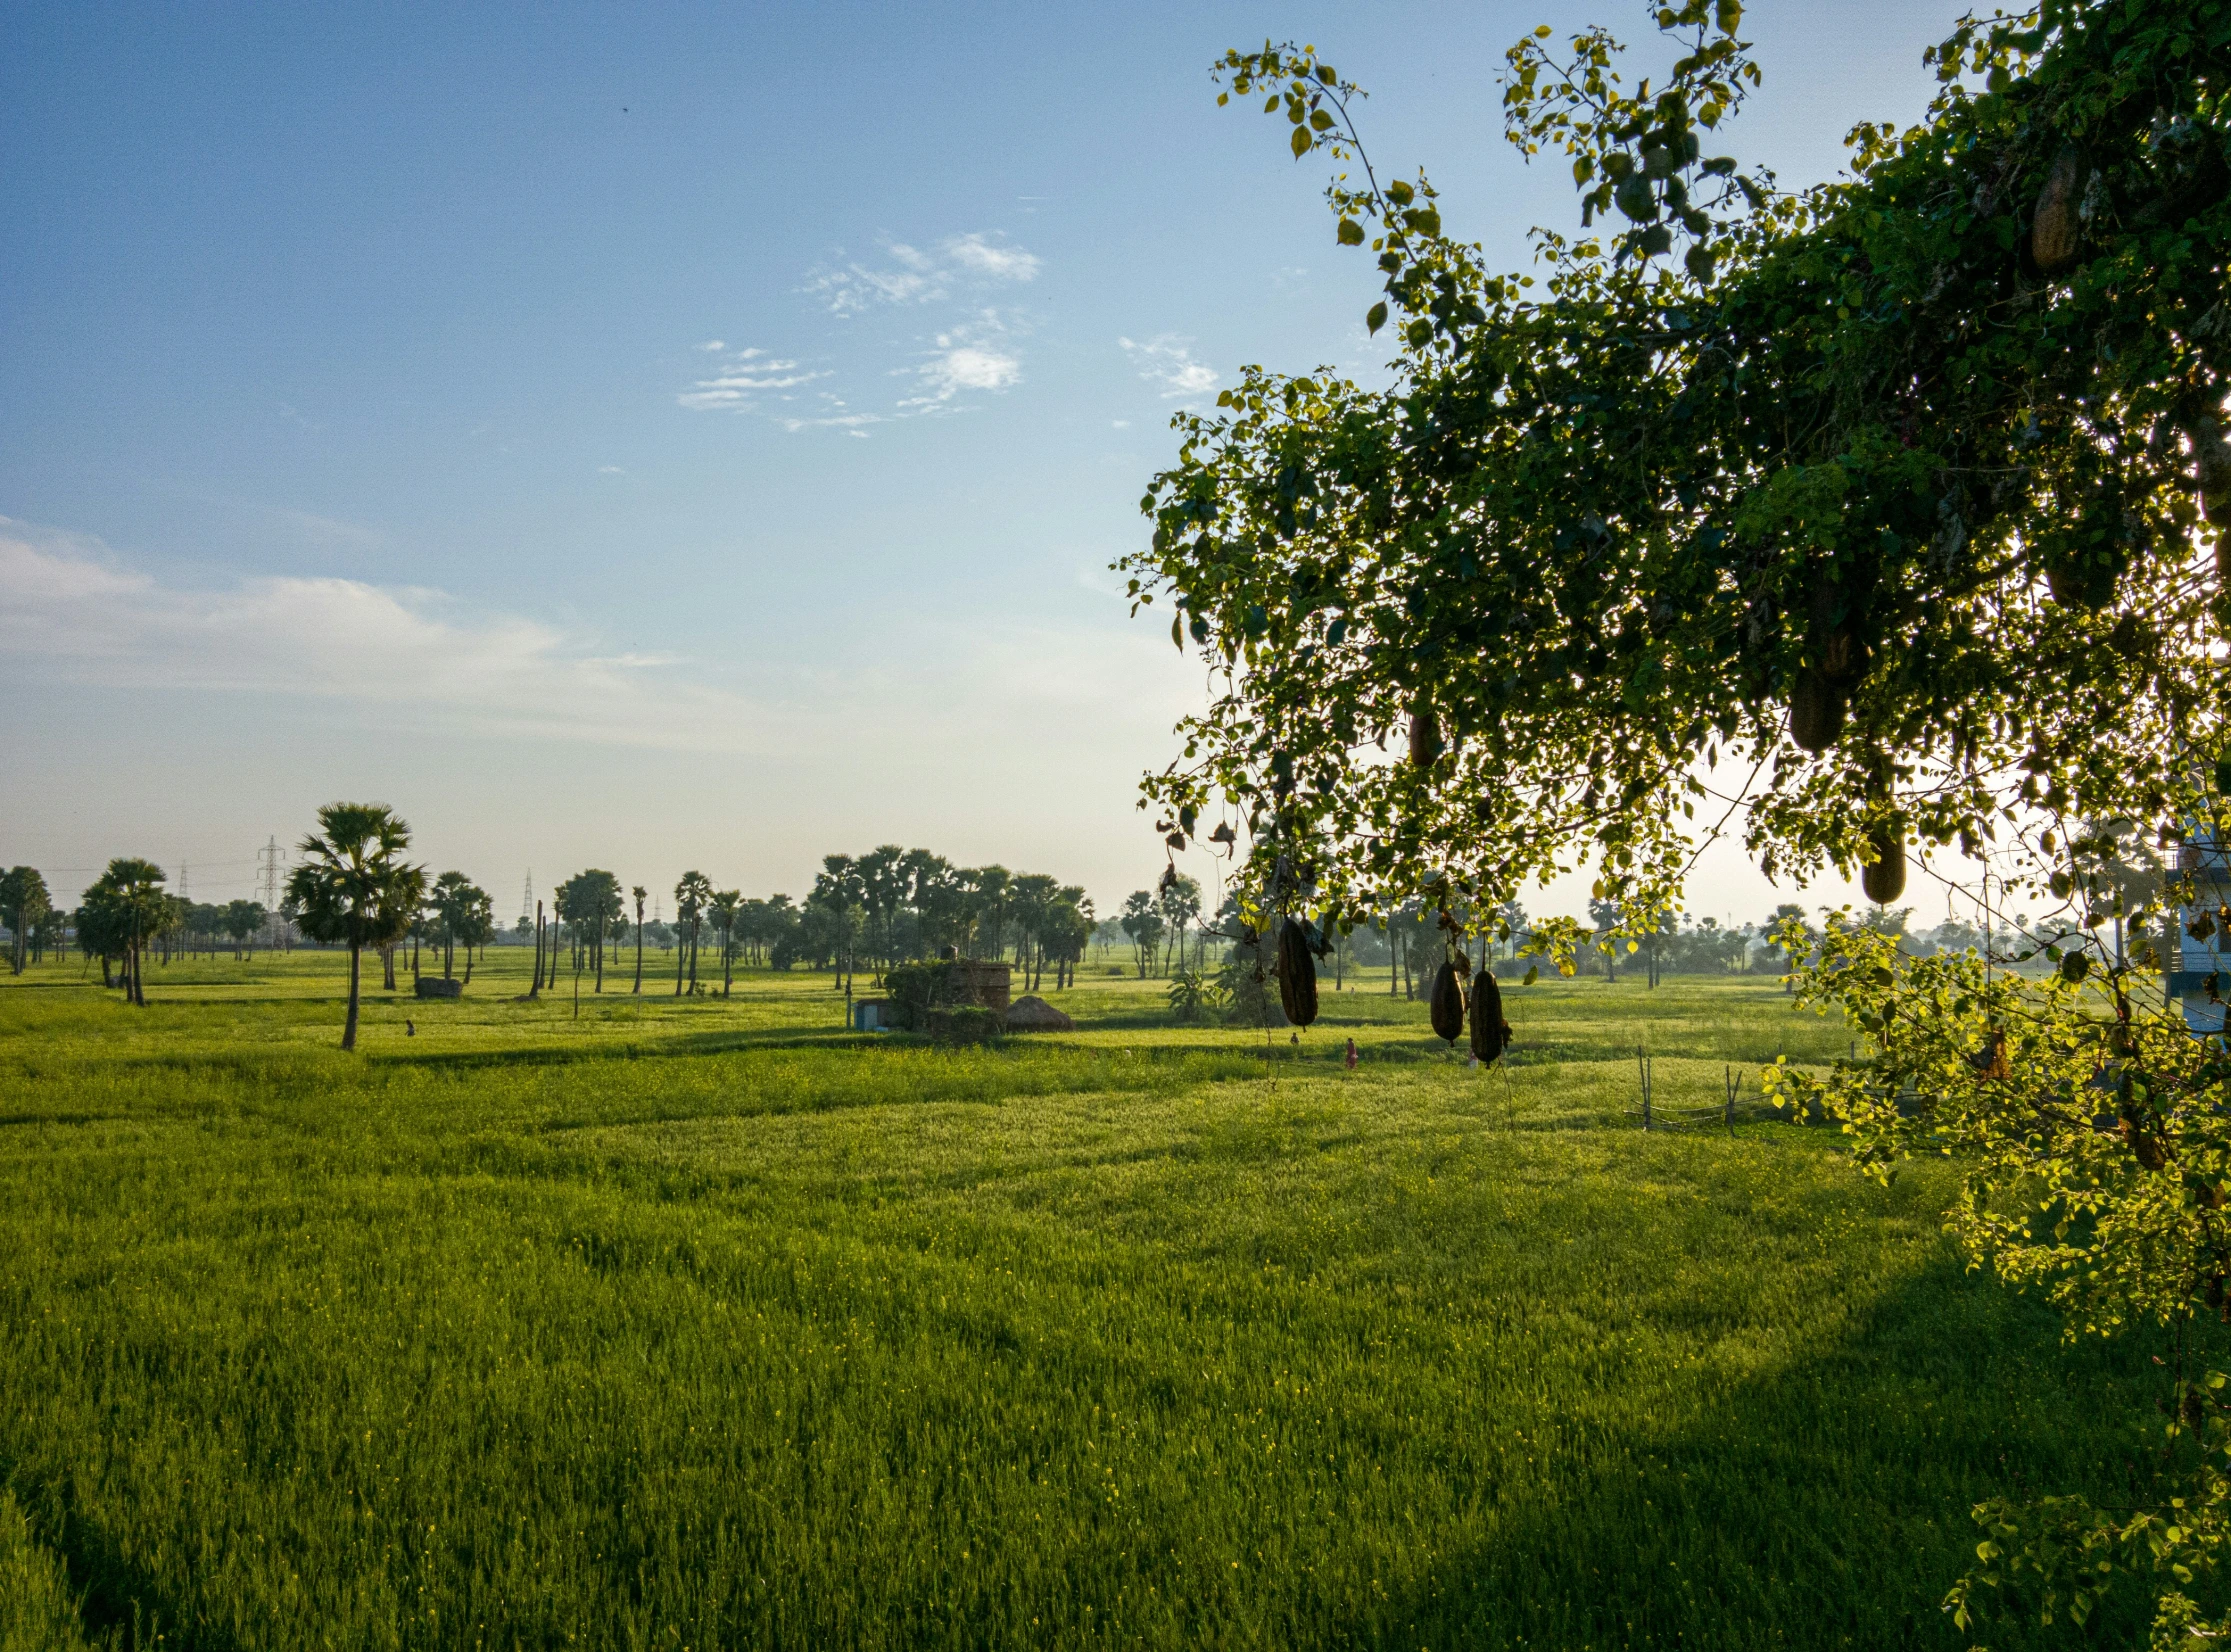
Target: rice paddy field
(705,1323)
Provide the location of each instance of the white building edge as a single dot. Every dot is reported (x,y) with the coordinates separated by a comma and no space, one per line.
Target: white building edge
(2200,976)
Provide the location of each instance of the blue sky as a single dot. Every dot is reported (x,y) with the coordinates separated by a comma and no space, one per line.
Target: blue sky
(673,436)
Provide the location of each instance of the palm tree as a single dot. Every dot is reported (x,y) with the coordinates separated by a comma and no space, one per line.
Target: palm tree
(725,907)
(24,902)
(456,901)
(354,887)
(125,907)
(691,896)
(639,892)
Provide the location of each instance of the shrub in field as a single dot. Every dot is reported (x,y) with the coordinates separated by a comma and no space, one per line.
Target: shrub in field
(961,1024)
(1194,997)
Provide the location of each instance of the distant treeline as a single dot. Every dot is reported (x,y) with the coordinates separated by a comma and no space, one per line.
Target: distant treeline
(887,907)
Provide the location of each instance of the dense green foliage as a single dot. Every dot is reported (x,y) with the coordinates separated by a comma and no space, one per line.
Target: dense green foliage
(1884,483)
(698,1323)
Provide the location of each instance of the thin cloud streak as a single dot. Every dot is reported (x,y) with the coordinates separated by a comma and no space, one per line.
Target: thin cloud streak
(1167,361)
(746,375)
(66,606)
(423,661)
(913,276)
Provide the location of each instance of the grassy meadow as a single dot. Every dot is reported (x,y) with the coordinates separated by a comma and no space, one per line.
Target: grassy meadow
(703,1323)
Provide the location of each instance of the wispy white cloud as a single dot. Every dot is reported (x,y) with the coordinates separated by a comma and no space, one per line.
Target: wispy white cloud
(717,344)
(69,609)
(852,424)
(961,367)
(743,376)
(1167,361)
(998,261)
(972,356)
(909,275)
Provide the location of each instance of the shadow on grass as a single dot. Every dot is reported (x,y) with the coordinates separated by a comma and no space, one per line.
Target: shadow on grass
(122,1604)
(1823,1505)
(646,1048)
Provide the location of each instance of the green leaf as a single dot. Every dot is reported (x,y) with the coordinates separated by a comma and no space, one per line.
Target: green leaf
(1351,233)
(1533,973)
(1376,317)
(2075,967)
(1301,142)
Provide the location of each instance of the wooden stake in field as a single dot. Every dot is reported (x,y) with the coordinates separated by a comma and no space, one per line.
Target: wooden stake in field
(1642,1066)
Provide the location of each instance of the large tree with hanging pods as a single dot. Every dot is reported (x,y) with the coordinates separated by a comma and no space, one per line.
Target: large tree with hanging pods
(1877,524)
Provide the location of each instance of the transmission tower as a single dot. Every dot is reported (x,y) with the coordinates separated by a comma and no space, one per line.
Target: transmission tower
(185,883)
(269,859)
(527,900)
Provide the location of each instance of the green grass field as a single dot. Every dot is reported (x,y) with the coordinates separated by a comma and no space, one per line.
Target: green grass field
(706,1324)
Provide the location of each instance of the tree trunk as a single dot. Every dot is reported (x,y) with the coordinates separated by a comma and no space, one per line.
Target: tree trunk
(348,1028)
(638,949)
(600,955)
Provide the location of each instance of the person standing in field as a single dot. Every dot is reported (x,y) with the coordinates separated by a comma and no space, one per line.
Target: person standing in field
(1351,1055)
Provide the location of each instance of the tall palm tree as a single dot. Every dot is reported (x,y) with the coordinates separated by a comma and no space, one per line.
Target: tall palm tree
(126,906)
(24,902)
(691,896)
(354,887)
(725,906)
(639,892)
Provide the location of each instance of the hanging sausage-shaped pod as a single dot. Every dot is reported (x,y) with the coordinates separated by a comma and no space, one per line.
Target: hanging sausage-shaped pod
(1491,1034)
(1446,1003)
(1425,738)
(1884,880)
(1297,973)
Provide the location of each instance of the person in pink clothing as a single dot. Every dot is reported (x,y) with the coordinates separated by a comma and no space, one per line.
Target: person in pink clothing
(1351,1055)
